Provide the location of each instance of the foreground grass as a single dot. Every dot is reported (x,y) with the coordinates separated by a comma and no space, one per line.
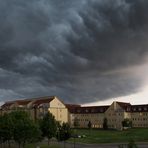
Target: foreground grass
(112,136)
(34,145)
(42,146)
(95,136)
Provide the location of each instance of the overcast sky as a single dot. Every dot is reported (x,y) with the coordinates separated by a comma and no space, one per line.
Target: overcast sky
(79,50)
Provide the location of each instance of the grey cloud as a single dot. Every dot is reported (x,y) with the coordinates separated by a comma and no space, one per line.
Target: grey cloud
(120,36)
(68,48)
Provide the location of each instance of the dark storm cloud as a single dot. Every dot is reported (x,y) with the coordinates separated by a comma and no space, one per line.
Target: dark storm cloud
(113,34)
(72,49)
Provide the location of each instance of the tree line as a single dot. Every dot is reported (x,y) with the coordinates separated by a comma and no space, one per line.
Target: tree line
(18,126)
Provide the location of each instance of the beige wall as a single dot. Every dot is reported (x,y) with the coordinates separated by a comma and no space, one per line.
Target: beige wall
(71,118)
(59,110)
(140,119)
(115,115)
(96,120)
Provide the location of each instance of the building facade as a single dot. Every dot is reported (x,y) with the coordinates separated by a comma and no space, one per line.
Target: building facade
(38,107)
(72,113)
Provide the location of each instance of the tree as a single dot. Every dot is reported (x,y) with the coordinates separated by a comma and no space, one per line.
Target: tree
(126,123)
(64,132)
(76,122)
(132,144)
(24,129)
(48,126)
(89,124)
(6,130)
(105,124)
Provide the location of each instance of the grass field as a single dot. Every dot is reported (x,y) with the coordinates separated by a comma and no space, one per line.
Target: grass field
(112,136)
(42,146)
(95,136)
(33,146)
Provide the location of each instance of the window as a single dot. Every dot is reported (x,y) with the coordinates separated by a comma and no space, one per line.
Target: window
(128,109)
(145,108)
(101,110)
(139,108)
(92,110)
(140,114)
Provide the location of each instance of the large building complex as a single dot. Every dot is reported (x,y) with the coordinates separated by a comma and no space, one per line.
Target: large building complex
(115,113)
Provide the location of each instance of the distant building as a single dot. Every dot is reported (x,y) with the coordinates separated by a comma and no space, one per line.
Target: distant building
(38,107)
(115,113)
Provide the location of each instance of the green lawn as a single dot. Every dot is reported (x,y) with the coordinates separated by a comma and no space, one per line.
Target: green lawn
(99,136)
(112,136)
(42,146)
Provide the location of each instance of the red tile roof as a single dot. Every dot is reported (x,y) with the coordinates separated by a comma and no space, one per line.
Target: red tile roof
(125,106)
(42,101)
(71,107)
(23,102)
(36,101)
(139,108)
(7,105)
(87,109)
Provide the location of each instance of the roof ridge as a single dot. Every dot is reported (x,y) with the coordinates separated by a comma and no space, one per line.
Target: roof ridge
(122,102)
(97,106)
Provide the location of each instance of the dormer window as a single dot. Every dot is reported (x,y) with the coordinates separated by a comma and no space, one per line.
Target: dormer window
(145,108)
(20,106)
(40,106)
(139,108)
(101,110)
(45,105)
(128,109)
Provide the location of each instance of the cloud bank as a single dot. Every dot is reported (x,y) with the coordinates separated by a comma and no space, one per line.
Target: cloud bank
(76,50)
